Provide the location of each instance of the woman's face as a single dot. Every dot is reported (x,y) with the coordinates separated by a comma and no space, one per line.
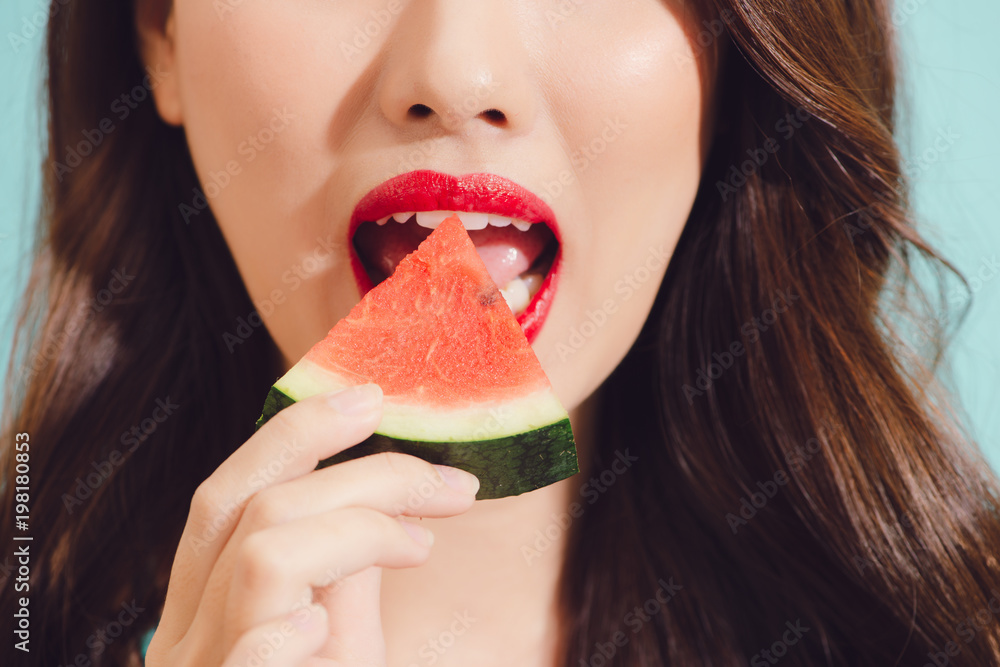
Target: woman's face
(295,111)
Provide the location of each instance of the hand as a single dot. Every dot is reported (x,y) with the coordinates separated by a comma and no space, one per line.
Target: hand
(279,563)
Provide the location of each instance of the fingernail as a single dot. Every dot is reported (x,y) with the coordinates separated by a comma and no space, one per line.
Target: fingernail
(420,535)
(355,401)
(459,479)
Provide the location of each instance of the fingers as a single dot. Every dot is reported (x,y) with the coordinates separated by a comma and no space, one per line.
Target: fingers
(276,568)
(288,446)
(355,620)
(385,484)
(392,483)
(266,530)
(282,642)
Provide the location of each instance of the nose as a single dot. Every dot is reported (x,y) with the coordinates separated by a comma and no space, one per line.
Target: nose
(459,63)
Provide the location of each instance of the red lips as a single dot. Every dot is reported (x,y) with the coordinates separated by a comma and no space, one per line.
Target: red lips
(483,193)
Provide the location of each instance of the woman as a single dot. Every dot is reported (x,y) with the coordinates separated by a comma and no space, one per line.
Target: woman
(769,473)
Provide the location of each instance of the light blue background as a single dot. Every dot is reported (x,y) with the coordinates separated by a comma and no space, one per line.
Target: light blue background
(952,58)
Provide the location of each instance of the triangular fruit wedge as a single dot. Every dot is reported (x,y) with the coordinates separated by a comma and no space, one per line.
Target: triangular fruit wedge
(462,385)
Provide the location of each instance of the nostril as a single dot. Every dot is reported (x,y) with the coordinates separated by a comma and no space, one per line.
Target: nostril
(491,116)
(420,111)
(494,116)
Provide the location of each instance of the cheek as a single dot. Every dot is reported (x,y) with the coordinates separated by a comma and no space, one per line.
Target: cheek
(242,113)
(259,87)
(633,126)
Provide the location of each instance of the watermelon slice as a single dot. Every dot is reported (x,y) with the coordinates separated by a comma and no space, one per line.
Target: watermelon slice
(462,385)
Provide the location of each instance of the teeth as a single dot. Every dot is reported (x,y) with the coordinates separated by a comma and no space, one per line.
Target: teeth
(516,295)
(474,220)
(533,281)
(470,220)
(519,292)
(431,219)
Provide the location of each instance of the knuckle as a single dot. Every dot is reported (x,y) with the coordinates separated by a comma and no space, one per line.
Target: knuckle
(387,463)
(261,563)
(206,500)
(284,426)
(267,508)
(405,470)
(364,520)
(388,528)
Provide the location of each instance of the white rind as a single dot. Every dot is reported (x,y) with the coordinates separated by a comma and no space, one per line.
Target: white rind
(414,422)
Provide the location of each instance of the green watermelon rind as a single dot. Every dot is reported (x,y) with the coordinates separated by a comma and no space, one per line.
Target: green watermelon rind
(414,416)
(506,466)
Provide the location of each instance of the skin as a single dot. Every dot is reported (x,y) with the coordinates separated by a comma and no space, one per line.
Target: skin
(623,77)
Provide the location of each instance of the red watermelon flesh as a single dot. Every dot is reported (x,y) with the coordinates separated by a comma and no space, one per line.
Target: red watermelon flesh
(462,385)
(437,331)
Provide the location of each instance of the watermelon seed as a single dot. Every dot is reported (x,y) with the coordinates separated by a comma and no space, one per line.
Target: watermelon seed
(488,297)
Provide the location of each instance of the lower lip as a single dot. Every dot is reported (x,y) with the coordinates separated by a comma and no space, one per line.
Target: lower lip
(533,317)
(531,320)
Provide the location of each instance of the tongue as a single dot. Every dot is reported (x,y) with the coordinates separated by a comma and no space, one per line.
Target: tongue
(382,248)
(506,251)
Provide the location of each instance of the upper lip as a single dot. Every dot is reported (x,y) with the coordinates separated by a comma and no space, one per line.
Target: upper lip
(433,191)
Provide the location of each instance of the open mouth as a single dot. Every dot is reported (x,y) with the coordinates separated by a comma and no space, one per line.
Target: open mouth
(513,230)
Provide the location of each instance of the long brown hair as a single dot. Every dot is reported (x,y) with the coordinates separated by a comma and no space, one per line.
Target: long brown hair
(802,494)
